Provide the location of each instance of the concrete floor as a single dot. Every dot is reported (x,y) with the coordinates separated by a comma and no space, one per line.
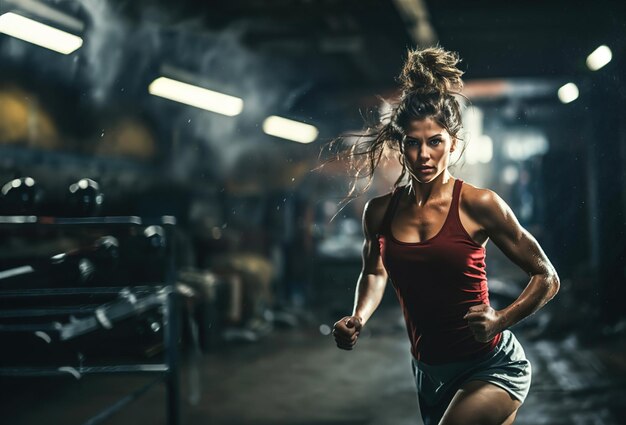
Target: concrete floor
(297,376)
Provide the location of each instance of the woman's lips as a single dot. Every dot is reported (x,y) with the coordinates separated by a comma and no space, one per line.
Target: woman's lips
(425,169)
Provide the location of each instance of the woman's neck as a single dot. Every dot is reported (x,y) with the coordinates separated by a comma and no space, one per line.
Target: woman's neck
(421,193)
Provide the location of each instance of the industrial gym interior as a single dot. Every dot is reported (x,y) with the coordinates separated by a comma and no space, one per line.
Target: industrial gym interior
(177,237)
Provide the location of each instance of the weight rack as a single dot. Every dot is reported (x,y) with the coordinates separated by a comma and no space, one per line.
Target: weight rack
(82,319)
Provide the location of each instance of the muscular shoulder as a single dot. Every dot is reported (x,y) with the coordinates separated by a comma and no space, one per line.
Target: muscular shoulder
(374,212)
(483,205)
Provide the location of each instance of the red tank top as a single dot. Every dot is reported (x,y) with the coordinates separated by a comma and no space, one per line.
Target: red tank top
(437,281)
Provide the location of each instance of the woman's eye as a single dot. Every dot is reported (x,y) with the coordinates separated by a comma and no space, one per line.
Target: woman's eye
(435,142)
(409,142)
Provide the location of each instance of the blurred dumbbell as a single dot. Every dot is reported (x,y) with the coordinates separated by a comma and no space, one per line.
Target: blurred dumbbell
(106,252)
(85,198)
(144,254)
(84,265)
(154,241)
(91,264)
(21,196)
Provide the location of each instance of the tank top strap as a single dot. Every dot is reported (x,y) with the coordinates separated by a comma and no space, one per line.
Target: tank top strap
(456,196)
(385,225)
(454,219)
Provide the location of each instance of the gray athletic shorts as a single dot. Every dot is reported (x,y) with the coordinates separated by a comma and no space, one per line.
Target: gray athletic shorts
(505,366)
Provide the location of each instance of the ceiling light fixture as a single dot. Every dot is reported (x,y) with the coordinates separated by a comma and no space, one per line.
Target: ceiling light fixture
(196,96)
(599,57)
(568,93)
(291,130)
(40,34)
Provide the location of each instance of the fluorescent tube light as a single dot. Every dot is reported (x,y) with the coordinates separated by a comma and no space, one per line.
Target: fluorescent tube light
(568,93)
(40,34)
(599,57)
(196,96)
(289,129)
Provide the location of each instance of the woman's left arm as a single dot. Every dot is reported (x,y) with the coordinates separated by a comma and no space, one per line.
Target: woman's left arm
(501,225)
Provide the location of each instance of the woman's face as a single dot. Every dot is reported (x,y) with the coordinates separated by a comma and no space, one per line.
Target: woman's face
(427,148)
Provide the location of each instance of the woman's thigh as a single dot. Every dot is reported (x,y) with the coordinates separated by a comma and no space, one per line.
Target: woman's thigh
(480,403)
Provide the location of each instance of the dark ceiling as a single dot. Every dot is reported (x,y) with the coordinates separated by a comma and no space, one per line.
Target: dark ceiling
(339,53)
(352,43)
(506,39)
(322,61)
(343,44)
(344,52)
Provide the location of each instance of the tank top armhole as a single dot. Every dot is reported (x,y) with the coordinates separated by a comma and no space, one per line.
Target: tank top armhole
(457,213)
(383,229)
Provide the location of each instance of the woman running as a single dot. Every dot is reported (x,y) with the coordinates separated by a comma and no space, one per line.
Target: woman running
(428,237)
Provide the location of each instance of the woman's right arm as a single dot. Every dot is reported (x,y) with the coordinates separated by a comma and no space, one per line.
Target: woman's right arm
(372,280)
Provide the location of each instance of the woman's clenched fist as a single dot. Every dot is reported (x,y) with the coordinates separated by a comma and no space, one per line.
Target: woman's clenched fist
(346,331)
